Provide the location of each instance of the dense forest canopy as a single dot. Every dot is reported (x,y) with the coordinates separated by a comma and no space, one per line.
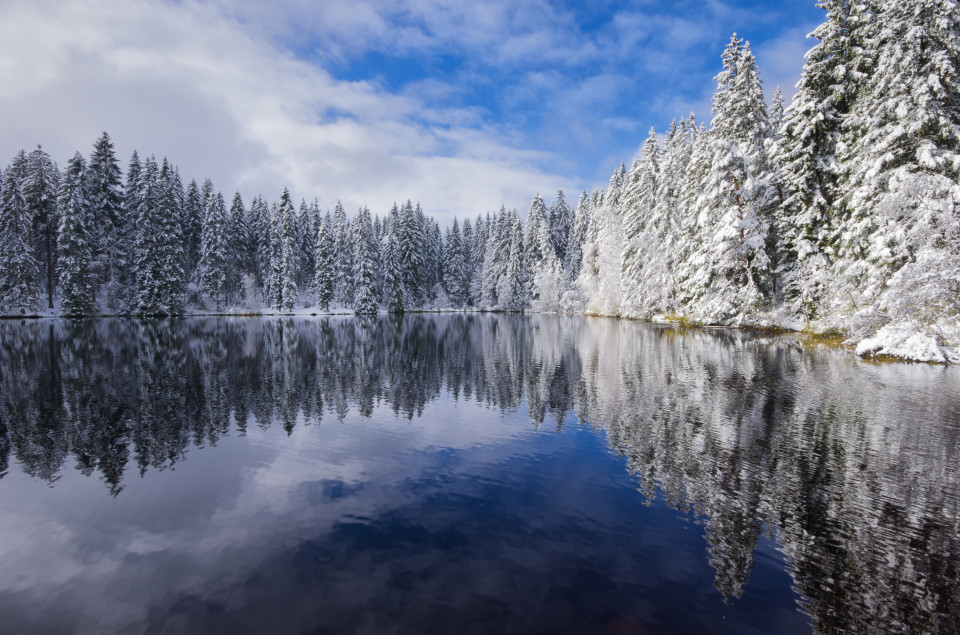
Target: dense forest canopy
(839,211)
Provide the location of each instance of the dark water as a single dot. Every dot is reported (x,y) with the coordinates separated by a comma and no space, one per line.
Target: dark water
(461,474)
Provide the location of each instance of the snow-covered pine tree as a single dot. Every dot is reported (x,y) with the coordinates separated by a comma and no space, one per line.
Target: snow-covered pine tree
(323,267)
(412,255)
(146,248)
(109,222)
(40,185)
(667,212)
(393,294)
(194,212)
(643,238)
(432,267)
(512,287)
(542,268)
(240,252)
(290,254)
(454,270)
(261,230)
(496,257)
(365,266)
(900,162)
(561,224)
(75,241)
(342,257)
(305,235)
(578,236)
(692,271)
(481,229)
(19,270)
(171,277)
(806,155)
(467,241)
(125,268)
(740,199)
(602,268)
(215,252)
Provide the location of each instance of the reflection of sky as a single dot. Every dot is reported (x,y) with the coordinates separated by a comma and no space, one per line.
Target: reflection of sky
(461,518)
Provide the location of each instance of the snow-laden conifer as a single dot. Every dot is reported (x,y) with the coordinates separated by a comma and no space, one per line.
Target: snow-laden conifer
(215,253)
(365,266)
(323,267)
(40,184)
(75,241)
(19,270)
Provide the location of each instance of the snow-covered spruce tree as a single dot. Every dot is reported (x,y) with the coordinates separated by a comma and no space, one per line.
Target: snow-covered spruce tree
(75,241)
(108,220)
(481,230)
(691,269)
(512,286)
(467,241)
(365,266)
(899,259)
(666,211)
(578,236)
(323,268)
(602,267)
(432,269)
(561,224)
(40,184)
(740,199)
(290,254)
(194,212)
(260,232)
(642,233)
(454,267)
(19,270)
(806,154)
(544,277)
(496,257)
(125,270)
(240,251)
(275,285)
(393,294)
(146,250)
(305,231)
(342,257)
(171,276)
(412,245)
(215,260)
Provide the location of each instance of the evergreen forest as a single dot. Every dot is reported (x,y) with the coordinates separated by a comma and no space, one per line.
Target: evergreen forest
(836,213)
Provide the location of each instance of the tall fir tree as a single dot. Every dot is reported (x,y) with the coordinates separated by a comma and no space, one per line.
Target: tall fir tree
(364,265)
(454,269)
(215,252)
(76,242)
(40,185)
(19,270)
(108,223)
(343,257)
(290,254)
(323,268)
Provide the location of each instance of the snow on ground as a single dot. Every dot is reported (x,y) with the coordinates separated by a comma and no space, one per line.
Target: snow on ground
(913,342)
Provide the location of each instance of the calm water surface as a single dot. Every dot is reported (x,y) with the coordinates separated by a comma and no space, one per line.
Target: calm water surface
(459,474)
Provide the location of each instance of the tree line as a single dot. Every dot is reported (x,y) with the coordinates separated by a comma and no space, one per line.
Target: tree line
(841,210)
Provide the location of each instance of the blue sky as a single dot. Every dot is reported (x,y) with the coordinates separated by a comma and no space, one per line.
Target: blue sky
(463,106)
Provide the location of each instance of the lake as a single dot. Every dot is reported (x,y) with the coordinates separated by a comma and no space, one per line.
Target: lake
(469,473)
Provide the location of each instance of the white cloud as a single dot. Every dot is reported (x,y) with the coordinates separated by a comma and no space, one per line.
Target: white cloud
(185,81)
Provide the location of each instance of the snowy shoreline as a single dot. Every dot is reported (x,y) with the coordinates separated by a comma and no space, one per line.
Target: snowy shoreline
(891,343)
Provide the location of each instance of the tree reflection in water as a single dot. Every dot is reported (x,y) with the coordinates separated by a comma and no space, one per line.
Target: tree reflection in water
(852,468)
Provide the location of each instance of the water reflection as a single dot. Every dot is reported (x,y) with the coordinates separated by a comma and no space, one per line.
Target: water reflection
(852,468)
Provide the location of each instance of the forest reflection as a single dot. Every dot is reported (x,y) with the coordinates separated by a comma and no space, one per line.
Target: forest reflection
(852,468)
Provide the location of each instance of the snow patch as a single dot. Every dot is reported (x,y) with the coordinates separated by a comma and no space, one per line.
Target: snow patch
(907,342)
